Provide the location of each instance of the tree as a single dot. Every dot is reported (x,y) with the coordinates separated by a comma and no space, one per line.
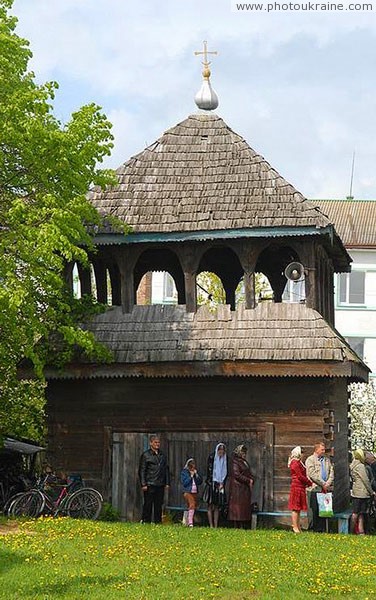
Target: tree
(46,169)
(363,415)
(211,292)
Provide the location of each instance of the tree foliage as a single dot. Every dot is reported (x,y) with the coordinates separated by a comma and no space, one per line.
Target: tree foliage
(46,169)
(211,292)
(363,415)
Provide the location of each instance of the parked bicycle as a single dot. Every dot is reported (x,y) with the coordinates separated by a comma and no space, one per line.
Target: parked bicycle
(73,500)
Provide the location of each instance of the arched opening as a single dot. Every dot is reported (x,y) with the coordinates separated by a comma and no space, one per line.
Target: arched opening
(272,263)
(109,287)
(157,287)
(93,281)
(224,263)
(159,278)
(263,290)
(114,284)
(76,281)
(210,290)
(144,290)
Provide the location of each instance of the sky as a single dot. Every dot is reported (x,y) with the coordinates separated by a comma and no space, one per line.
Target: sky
(298,85)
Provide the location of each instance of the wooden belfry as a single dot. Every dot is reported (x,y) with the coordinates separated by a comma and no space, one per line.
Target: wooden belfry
(271,374)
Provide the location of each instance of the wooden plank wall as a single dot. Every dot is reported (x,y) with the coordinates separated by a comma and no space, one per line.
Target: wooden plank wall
(179,446)
(85,414)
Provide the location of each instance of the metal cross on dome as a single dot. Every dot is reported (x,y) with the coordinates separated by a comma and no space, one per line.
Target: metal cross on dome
(205,62)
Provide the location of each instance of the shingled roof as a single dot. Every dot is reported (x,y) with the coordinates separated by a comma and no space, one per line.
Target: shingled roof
(200,175)
(354,220)
(270,340)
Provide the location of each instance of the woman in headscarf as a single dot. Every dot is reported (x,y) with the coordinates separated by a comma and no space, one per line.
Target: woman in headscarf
(240,488)
(361,491)
(190,479)
(299,483)
(214,493)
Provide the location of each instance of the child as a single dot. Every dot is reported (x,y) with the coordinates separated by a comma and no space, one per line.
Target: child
(190,480)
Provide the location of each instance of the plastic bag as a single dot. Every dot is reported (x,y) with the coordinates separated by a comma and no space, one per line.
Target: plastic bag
(325,502)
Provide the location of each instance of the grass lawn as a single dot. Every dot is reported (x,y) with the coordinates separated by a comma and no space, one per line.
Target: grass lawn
(63,558)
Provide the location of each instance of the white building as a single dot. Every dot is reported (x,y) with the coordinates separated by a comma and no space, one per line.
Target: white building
(355,292)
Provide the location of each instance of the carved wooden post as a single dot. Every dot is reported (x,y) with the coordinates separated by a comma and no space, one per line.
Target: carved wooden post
(126,259)
(309,261)
(249,289)
(101,281)
(127,287)
(247,254)
(85,280)
(115,284)
(189,259)
(68,275)
(190,291)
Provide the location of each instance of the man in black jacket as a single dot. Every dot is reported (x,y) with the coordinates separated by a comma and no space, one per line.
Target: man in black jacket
(154,477)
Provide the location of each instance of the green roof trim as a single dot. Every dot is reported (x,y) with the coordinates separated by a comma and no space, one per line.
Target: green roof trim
(105,239)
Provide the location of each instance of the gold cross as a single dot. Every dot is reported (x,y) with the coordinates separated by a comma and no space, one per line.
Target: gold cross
(205,53)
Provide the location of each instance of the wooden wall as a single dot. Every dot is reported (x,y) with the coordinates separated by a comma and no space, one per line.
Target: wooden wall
(84,415)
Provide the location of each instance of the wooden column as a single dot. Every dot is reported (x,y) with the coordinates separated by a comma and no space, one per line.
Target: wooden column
(115,285)
(85,280)
(190,291)
(189,256)
(331,295)
(247,253)
(68,275)
(101,281)
(309,261)
(249,289)
(339,403)
(127,288)
(126,259)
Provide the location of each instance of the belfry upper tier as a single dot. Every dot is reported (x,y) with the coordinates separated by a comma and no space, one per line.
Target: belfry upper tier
(200,176)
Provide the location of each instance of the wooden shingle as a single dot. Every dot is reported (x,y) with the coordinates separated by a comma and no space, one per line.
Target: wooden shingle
(202,163)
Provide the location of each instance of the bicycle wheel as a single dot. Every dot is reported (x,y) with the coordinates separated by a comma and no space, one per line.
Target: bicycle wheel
(28,504)
(9,503)
(85,503)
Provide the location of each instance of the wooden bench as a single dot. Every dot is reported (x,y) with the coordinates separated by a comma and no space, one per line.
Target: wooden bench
(342,518)
(182,509)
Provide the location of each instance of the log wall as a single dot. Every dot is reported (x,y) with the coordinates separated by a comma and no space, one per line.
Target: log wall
(84,416)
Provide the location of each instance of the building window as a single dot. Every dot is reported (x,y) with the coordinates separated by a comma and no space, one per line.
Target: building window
(352,288)
(357,344)
(169,290)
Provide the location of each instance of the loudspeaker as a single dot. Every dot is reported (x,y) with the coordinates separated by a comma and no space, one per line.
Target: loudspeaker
(294,271)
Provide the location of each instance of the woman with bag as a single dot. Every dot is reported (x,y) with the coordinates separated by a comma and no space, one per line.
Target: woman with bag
(214,493)
(361,492)
(240,489)
(299,483)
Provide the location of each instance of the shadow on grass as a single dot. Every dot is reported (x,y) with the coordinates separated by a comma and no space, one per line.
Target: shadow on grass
(73,584)
(8,560)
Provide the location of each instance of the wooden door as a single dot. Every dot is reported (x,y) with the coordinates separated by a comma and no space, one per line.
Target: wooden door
(126,491)
(179,446)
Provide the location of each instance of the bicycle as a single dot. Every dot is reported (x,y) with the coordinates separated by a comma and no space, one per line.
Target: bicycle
(82,503)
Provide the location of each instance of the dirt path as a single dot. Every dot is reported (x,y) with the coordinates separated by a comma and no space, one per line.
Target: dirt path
(9,527)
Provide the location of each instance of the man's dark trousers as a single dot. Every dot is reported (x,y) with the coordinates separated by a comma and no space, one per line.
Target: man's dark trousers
(317,524)
(153,498)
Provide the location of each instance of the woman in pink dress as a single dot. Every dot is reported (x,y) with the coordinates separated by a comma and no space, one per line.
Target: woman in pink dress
(299,483)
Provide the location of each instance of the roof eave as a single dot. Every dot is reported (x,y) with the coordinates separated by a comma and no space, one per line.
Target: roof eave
(185,369)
